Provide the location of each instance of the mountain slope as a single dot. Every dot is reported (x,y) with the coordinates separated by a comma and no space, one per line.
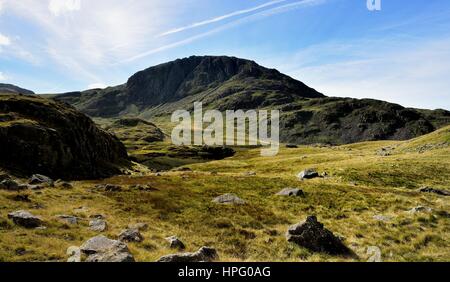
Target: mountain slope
(228,83)
(9,88)
(39,135)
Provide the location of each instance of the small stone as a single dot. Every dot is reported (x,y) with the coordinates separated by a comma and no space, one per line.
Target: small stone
(250,173)
(25,219)
(295,192)
(308,174)
(231,199)
(383,218)
(11,185)
(420,209)
(41,179)
(434,191)
(68,219)
(204,254)
(130,235)
(98,225)
(175,243)
(74,254)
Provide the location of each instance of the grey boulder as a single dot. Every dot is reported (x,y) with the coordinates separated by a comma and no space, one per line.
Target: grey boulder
(25,219)
(175,243)
(204,254)
(41,179)
(102,249)
(98,225)
(131,235)
(308,174)
(230,199)
(295,192)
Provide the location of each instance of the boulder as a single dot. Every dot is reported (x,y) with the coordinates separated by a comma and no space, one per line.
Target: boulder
(308,174)
(70,219)
(204,254)
(11,185)
(130,235)
(25,219)
(102,249)
(374,254)
(74,254)
(175,243)
(383,218)
(230,199)
(109,187)
(291,192)
(312,235)
(434,191)
(420,209)
(39,179)
(98,225)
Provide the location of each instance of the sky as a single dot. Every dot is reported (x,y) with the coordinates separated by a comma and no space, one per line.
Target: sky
(400,53)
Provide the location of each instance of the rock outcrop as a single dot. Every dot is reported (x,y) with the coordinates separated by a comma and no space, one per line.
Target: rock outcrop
(25,219)
(102,249)
(230,199)
(41,136)
(312,235)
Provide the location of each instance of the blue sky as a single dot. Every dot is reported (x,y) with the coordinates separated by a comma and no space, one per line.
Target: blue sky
(399,54)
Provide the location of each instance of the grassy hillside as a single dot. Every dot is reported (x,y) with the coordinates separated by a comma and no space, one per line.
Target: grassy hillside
(362,181)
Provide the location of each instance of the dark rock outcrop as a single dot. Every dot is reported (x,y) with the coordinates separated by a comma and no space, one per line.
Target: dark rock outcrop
(434,191)
(131,235)
(25,219)
(312,235)
(39,135)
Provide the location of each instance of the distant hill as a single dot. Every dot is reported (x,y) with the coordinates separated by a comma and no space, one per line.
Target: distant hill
(9,88)
(229,83)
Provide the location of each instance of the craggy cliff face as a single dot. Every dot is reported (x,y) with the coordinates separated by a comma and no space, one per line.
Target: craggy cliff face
(39,135)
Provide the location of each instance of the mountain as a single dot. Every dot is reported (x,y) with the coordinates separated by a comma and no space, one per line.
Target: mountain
(229,83)
(9,88)
(39,135)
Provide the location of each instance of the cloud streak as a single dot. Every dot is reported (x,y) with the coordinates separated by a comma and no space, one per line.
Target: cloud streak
(256,16)
(221,18)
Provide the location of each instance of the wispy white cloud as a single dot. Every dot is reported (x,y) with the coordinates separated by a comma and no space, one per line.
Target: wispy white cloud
(221,18)
(58,7)
(4,40)
(2,76)
(237,22)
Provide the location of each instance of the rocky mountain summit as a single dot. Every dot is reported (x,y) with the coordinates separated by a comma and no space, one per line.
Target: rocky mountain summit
(38,135)
(229,83)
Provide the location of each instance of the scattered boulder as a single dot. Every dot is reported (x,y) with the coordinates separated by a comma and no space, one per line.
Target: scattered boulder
(204,254)
(37,179)
(25,219)
(231,199)
(109,187)
(70,219)
(98,225)
(21,198)
(102,249)
(420,209)
(74,254)
(291,192)
(130,235)
(308,174)
(10,185)
(312,235)
(175,243)
(383,218)
(435,191)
